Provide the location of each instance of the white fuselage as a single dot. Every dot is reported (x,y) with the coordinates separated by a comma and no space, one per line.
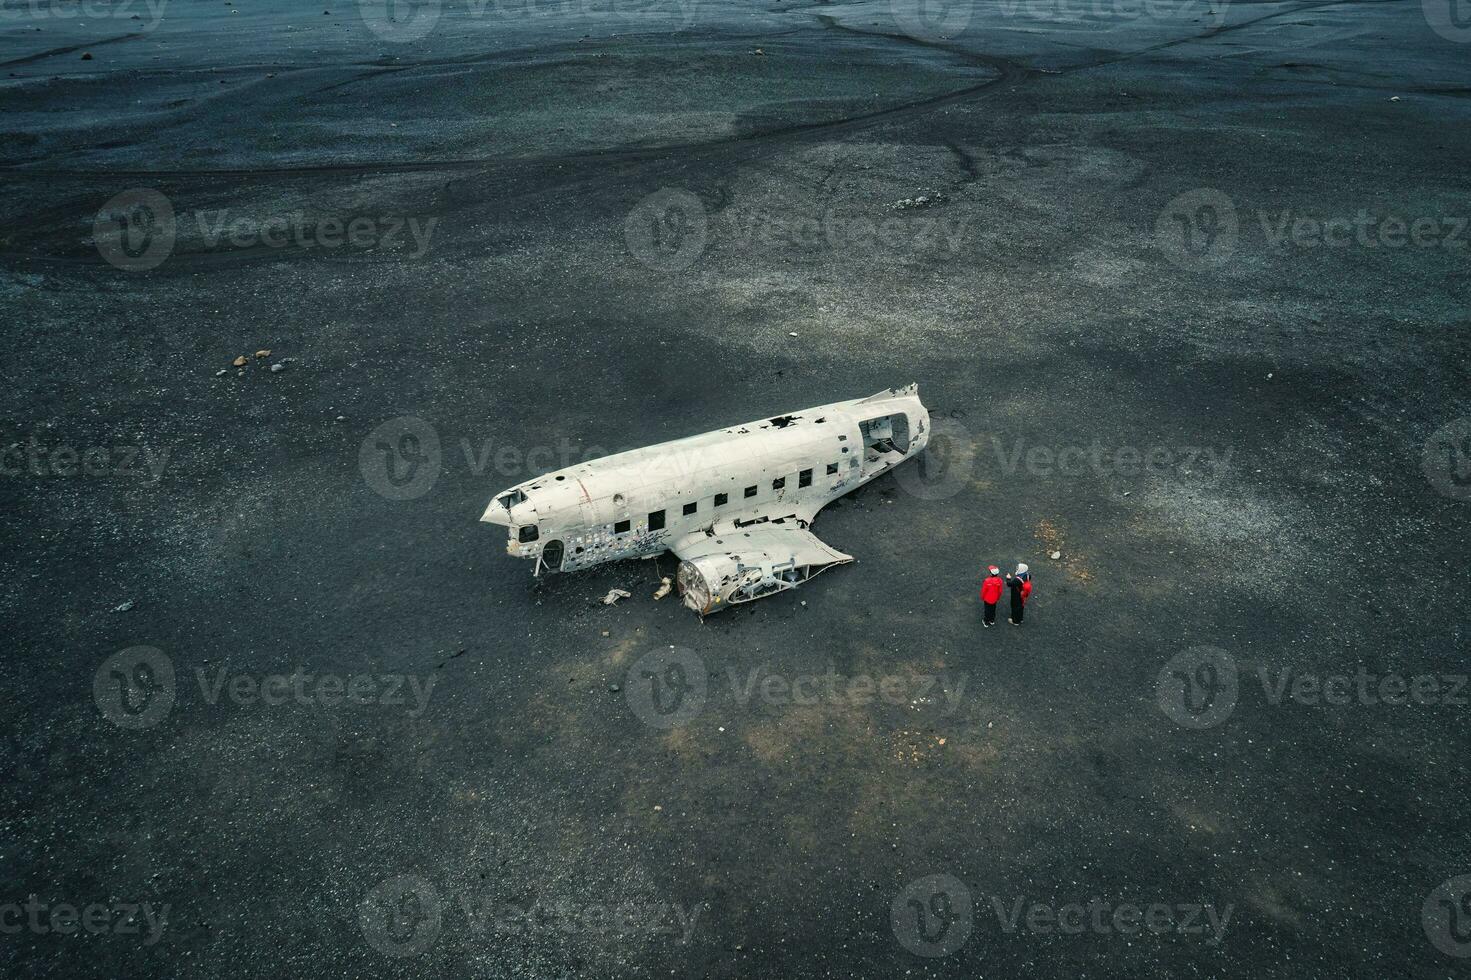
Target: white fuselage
(646,501)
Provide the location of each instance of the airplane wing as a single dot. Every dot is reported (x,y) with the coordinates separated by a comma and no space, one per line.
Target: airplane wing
(749,562)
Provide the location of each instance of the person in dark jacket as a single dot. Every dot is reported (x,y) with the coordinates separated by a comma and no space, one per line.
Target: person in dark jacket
(1020,585)
(990,595)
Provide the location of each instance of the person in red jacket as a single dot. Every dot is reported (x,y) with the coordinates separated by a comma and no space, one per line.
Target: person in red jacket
(1020,585)
(990,595)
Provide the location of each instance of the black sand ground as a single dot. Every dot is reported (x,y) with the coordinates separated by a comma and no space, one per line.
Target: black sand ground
(1054,296)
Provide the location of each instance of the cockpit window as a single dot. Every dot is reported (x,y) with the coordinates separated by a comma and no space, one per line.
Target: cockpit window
(528,533)
(509,500)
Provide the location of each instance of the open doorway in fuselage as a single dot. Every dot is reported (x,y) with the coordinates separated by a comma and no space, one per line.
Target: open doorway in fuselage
(885,441)
(550,559)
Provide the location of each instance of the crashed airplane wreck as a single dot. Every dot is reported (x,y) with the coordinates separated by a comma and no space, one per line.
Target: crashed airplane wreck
(734,505)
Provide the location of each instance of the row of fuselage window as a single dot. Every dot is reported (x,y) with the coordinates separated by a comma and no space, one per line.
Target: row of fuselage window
(656,518)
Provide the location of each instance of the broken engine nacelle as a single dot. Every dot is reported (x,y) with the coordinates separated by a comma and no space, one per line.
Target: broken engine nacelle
(714,582)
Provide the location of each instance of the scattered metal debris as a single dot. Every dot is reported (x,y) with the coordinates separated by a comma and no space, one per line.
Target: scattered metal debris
(922,201)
